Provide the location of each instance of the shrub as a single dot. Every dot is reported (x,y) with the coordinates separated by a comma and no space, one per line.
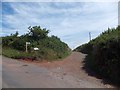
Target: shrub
(50,47)
(103,54)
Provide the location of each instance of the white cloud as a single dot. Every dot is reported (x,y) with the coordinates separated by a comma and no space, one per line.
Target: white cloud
(60,0)
(64,22)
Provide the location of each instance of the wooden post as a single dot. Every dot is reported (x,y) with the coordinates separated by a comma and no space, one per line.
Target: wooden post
(26,47)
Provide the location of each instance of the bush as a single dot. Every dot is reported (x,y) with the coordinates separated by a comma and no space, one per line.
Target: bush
(103,54)
(50,47)
(0,49)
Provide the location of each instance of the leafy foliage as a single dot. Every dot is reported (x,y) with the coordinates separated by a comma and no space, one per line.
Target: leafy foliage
(49,47)
(0,46)
(103,54)
(37,33)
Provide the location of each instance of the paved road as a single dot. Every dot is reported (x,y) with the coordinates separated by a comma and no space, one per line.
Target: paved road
(17,74)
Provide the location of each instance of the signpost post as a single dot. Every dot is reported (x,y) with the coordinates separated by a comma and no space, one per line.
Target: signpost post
(27,46)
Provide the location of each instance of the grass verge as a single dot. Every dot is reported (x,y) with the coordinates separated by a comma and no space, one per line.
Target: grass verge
(16,54)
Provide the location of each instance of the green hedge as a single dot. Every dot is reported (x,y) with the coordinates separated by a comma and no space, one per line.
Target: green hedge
(50,47)
(103,54)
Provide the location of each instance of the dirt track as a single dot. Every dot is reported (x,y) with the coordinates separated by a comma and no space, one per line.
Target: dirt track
(67,73)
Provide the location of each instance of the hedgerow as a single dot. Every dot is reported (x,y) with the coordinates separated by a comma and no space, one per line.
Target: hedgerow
(103,54)
(50,47)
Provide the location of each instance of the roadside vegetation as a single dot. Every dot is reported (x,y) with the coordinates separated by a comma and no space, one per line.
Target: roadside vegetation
(103,54)
(0,45)
(50,47)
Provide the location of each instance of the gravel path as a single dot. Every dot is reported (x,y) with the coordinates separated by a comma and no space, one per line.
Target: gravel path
(67,73)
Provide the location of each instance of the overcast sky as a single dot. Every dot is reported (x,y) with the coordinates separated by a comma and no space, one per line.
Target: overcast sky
(70,21)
